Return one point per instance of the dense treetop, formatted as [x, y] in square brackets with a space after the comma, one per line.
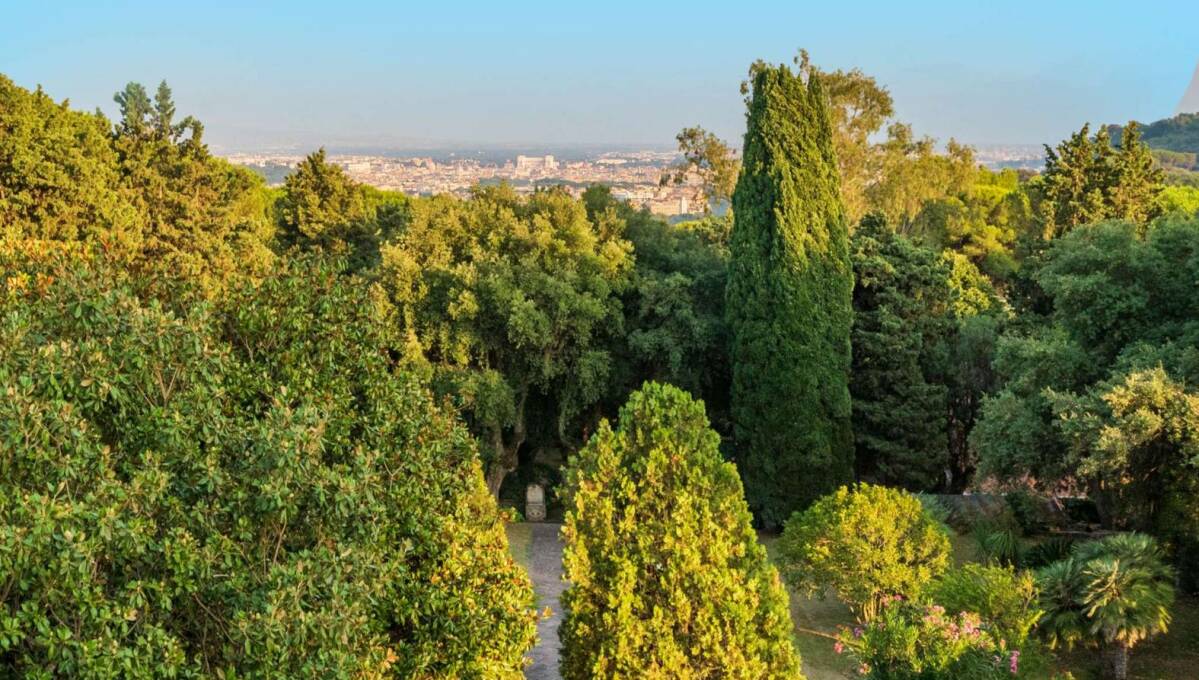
[789, 306]
[59, 173]
[246, 489]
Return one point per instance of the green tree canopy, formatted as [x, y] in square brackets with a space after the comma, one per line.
[1087, 180]
[981, 223]
[867, 544]
[674, 328]
[712, 160]
[204, 219]
[59, 177]
[508, 299]
[248, 491]
[319, 206]
[322, 210]
[1135, 440]
[1121, 302]
[910, 172]
[901, 326]
[858, 108]
[146, 190]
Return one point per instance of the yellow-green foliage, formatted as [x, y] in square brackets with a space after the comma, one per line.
[866, 543]
[667, 578]
[1180, 199]
[321, 209]
[1005, 598]
[147, 191]
[58, 173]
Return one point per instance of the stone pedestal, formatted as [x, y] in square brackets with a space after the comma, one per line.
[534, 503]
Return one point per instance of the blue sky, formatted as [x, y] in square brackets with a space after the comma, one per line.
[600, 72]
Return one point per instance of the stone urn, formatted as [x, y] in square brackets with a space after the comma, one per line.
[534, 503]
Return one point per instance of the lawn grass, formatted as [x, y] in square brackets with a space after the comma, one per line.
[520, 542]
[1173, 656]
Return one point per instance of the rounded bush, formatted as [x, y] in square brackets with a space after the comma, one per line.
[867, 544]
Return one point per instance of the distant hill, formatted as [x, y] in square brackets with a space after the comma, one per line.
[1180, 133]
[273, 173]
[1175, 146]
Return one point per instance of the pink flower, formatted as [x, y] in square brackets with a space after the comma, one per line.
[838, 647]
[1014, 661]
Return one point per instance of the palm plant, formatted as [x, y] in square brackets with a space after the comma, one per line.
[1047, 552]
[1109, 594]
[998, 543]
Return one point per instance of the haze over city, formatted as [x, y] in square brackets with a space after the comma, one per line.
[382, 75]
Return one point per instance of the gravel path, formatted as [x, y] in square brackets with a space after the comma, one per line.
[545, 568]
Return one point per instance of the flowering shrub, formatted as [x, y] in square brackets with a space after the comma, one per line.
[911, 641]
[1005, 597]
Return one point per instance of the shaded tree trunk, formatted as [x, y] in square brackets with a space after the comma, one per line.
[1104, 503]
[961, 416]
[505, 449]
[1115, 661]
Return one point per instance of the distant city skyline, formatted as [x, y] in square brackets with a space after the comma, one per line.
[536, 76]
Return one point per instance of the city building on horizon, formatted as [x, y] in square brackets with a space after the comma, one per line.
[634, 176]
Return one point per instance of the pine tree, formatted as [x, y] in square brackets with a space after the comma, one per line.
[321, 206]
[1138, 179]
[901, 328]
[135, 108]
[667, 577]
[789, 301]
[1087, 180]
[164, 111]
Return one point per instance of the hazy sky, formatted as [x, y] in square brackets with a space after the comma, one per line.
[600, 72]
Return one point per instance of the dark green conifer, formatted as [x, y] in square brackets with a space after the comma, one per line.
[901, 330]
[789, 304]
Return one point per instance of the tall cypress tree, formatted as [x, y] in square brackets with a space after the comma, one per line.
[789, 300]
